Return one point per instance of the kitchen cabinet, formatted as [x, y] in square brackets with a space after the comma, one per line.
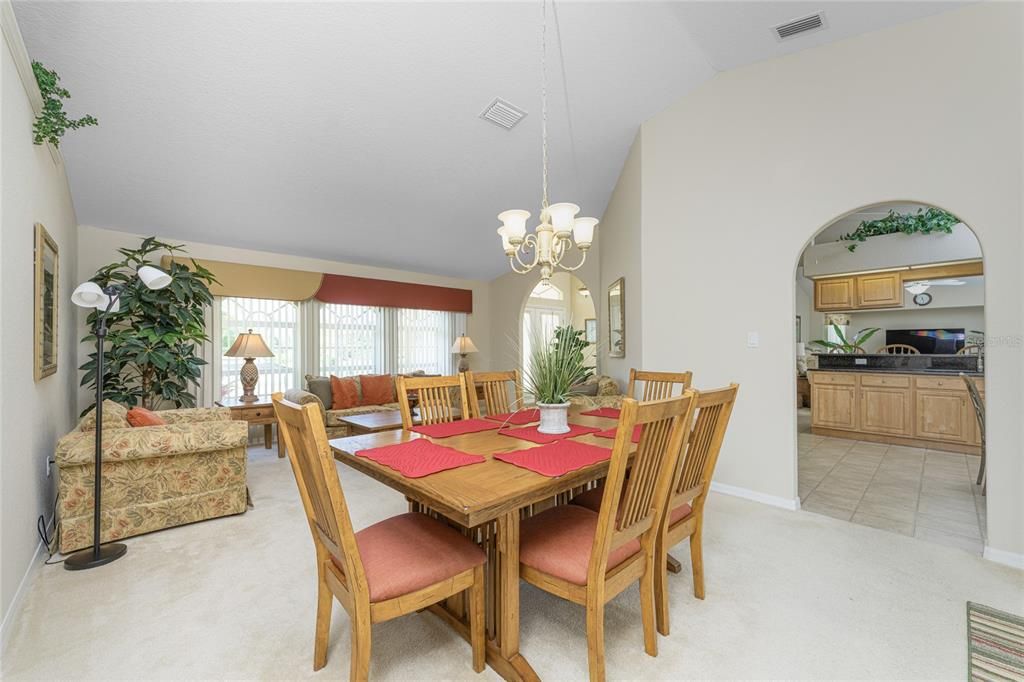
[835, 293]
[879, 290]
[885, 405]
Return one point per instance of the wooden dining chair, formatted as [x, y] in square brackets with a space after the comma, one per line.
[978, 403]
[397, 566]
[590, 557]
[690, 487]
[898, 349]
[440, 399]
[496, 388]
[658, 385]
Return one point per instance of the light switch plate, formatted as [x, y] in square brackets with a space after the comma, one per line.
[753, 339]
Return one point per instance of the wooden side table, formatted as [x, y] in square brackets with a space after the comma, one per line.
[259, 412]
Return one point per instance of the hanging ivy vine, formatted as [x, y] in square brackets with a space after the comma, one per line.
[53, 121]
[924, 221]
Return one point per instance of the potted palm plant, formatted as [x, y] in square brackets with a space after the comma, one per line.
[555, 370]
[854, 344]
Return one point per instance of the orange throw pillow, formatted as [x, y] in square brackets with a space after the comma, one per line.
[377, 388]
[344, 393]
[140, 416]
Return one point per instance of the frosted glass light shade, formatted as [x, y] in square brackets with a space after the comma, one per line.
[154, 278]
[505, 243]
[89, 295]
[583, 231]
[561, 216]
[514, 222]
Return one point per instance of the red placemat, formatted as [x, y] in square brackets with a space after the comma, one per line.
[556, 459]
[610, 412]
[456, 428]
[531, 433]
[520, 417]
[610, 433]
[420, 457]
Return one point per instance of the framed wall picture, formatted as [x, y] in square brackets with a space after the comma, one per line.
[46, 299]
[617, 319]
[590, 329]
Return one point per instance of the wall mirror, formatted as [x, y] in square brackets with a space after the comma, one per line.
[617, 319]
[45, 326]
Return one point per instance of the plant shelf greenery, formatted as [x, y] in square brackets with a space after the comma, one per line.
[152, 356]
[53, 121]
[923, 221]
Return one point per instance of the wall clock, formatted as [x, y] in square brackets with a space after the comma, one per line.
[922, 299]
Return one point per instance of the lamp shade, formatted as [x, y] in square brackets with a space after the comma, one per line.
[89, 295]
[514, 222]
[506, 245]
[464, 345]
[154, 278]
[583, 231]
[562, 217]
[249, 345]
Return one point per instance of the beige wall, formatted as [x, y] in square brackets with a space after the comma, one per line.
[789, 145]
[33, 415]
[97, 247]
[620, 257]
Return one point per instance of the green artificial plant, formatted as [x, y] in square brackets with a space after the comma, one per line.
[556, 367]
[574, 339]
[924, 221]
[151, 352]
[52, 122]
[854, 344]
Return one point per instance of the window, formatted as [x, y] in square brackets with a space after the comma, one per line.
[350, 340]
[424, 341]
[277, 322]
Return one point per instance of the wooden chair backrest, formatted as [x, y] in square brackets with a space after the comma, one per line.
[969, 350]
[305, 439]
[633, 508]
[658, 385]
[496, 391]
[898, 349]
[697, 464]
[436, 404]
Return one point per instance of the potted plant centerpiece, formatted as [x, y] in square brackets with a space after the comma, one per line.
[554, 373]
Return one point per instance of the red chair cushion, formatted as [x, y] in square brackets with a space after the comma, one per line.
[591, 499]
[559, 540]
[411, 551]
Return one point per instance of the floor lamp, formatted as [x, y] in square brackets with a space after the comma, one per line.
[106, 301]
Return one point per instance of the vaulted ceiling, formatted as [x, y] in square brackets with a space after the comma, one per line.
[351, 131]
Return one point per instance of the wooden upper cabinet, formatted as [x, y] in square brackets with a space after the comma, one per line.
[834, 294]
[880, 290]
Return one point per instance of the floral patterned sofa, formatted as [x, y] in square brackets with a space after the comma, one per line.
[602, 391]
[154, 477]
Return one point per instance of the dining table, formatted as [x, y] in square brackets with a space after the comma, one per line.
[486, 502]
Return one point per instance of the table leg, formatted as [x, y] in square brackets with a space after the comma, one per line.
[280, 444]
[268, 435]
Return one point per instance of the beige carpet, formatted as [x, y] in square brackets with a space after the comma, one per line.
[789, 595]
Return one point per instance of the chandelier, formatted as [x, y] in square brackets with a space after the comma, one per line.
[559, 228]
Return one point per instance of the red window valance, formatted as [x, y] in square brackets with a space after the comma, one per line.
[382, 292]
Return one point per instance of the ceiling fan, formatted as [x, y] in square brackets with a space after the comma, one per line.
[921, 286]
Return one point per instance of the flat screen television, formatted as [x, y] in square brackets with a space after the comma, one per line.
[930, 341]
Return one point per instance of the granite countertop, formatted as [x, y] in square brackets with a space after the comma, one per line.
[896, 370]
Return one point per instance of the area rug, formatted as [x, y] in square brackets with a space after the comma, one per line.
[995, 644]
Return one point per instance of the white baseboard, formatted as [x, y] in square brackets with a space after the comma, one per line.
[1000, 556]
[763, 498]
[11, 617]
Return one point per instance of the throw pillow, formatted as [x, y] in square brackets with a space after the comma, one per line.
[140, 416]
[587, 388]
[344, 393]
[114, 417]
[378, 389]
[320, 387]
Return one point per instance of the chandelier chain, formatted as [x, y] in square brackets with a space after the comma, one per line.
[544, 101]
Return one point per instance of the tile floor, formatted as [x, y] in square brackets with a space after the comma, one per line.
[925, 494]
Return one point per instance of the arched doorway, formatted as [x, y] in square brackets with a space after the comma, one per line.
[887, 433]
[564, 301]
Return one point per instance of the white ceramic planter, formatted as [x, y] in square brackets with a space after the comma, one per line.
[554, 419]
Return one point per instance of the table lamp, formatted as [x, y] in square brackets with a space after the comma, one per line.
[463, 346]
[249, 346]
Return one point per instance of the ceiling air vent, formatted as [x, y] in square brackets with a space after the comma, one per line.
[791, 29]
[501, 113]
